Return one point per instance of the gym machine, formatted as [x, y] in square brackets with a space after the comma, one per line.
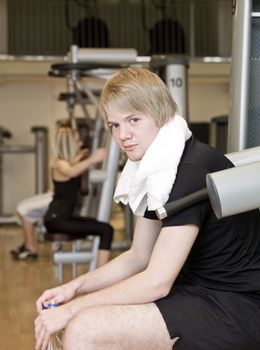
[84, 63]
[230, 191]
[39, 149]
[88, 62]
[244, 122]
[173, 71]
[106, 62]
[237, 189]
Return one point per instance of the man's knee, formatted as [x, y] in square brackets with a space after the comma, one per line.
[81, 330]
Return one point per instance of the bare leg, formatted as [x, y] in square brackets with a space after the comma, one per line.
[29, 234]
[102, 257]
[128, 327]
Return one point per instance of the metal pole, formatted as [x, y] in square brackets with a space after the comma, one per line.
[239, 87]
[1, 175]
[173, 71]
[41, 159]
[108, 187]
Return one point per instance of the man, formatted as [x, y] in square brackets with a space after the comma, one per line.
[188, 281]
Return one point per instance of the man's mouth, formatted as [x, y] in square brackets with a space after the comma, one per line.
[129, 147]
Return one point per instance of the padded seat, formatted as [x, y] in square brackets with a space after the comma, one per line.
[63, 237]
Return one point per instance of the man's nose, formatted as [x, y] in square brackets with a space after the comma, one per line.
[124, 133]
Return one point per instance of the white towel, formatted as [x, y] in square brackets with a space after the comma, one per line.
[147, 183]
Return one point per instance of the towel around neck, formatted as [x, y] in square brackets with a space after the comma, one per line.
[146, 184]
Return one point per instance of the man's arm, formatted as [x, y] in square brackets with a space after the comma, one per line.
[155, 281]
[135, 285]
[168, 256]
[125, 265]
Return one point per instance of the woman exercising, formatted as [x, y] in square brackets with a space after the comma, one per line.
[30, 211]
[69, 162]
[189, 281]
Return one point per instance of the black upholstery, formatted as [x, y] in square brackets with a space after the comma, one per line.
[91, 32]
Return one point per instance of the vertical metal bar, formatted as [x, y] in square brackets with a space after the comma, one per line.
[176, 80]
[106, 198]
[192, 31]
[1, 175]
[237, 126]
[41, 163]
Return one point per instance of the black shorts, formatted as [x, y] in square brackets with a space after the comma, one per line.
[206, 319]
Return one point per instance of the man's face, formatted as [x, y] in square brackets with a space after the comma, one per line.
[133, 133]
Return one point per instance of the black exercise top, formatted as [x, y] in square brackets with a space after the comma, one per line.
[215, 301]
[64, 199]
[226, 253]
[61, 218]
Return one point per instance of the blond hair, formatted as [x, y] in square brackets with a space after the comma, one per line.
[64, 144]
[135, 89]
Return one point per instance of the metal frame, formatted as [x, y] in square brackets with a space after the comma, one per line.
[237, 126]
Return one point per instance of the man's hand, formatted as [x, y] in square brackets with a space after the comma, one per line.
[48, 322]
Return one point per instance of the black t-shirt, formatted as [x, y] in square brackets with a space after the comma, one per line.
[64, 199]
[226, 253]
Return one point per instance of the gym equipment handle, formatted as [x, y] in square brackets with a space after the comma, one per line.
[182, 203]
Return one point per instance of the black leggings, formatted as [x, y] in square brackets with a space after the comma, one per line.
[80, 225]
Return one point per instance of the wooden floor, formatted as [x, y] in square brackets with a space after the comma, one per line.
[21, 282]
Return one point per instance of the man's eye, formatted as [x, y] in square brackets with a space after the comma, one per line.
[113, 126]
[134, 120]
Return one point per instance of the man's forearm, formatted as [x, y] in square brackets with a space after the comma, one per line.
[137, 289]
[118, 269]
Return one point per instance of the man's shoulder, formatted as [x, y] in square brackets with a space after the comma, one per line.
[204, 156]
